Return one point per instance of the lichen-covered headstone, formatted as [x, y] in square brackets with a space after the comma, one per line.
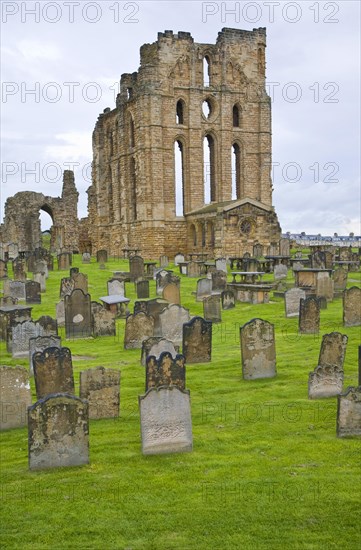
[78, 322]
[15, 397]
[40, 343]
[258, 350]
[204, 289]
[101, 388]
[327, 378]
[58, 432]
[171, 293]
[156, 346]
[32, 292]
[171, 322]
[197, 340]
[309, 317]
[212, 309]
[349, 413]
[138, 327]
[352, 307]
[292, 301]
[53, 371]
[227, 299]
[165, 371]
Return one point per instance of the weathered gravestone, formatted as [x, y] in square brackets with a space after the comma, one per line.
[66, 286]
[86, 258]
[142, 289]
[170, 323]
[280, 272]
[78, 322]
[15, 289]
[73, 271]
[328, 260]
[41, 266]
[165, 420]
[19, 335]
[30, 262]
[53, 372]
[204, 289]
[178, 258]
[257, 250]
[60, 313]
[32, 292]
[324, 286]
[171, 293]
[9, 316]
[352, 307]
[318, 260]
[165, 371]
[292, 301]
[163, 261]
[197, 340]
[221, 264]
[284, 247]
[80, 281]
[103, 321]
[227, 299]
[3, 269]
[162, 278]
[258, 350]
[212, 309]
[340, 278]
[116, 287]
[19, 272]
[219, 281]
[39, 344]
[156, 346]
[58, 432]
[40, 278]
[327, 378]
[138, 327]
[309, 317]
[273, 249]
[102, 256]
[349, 413]
[136, 267]
[8, 301]
[101, 388]
[15, 397]
[64, 261]
[194, 269]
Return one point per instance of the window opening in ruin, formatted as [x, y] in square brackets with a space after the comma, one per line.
[129, 93]
[131, 131]
[207, 108]
[236, 116]
[180, 112]
[46, 223]
[209, 169]
[179, 178]
[236, 171]
[133, 187]
[206, 71]
[193, 235]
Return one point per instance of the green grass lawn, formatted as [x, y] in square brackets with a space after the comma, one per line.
[267, 470]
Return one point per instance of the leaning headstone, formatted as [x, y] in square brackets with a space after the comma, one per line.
[324, 286]
[60, 313]
[171, 293]
[58, 432]
[178, 258]
[292, 301]
[116, 287]
[102, 256]
[41, 343]
[80, 281]
[77, 315]
[340, 278]
[212, 309]
[66, 286]
[204, 289]
[227, 299]
[197, 340]
[86, 258]
[32, 292]
[142, 289]
[171, 322]
[138, 327]
[219, 281]
[156, 346]
[349, 413]
[15, 397]
[136, 267]
[280, 272]
[101, 388]
[327, 378]
[309, 317]
[258, 350]
[53, 372]
[352, 307]
[165, 420]
[165, 371]
[103, 322]
[40, 278]
[221, 264]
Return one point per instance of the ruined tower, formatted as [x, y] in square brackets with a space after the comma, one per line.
[183, 161]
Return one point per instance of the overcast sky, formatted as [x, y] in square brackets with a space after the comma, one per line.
[61, 64]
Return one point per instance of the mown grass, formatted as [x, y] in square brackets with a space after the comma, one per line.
[267, 470]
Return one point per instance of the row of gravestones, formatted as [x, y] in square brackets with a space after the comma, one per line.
[308, 309]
